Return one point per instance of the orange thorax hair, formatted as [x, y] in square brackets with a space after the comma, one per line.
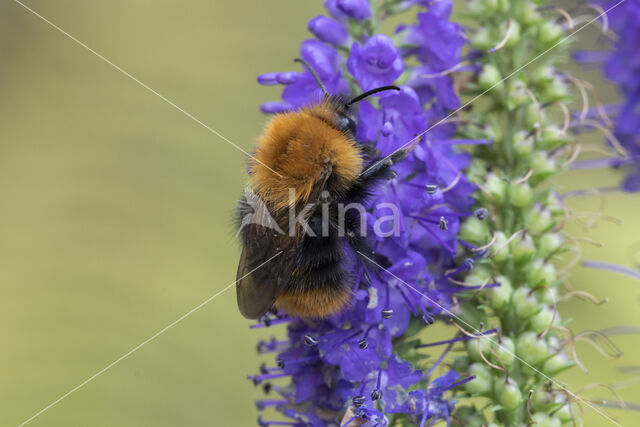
[302, 147]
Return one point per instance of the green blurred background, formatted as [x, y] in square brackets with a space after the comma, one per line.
[115, 208]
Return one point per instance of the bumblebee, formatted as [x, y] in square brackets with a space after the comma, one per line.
[306, 165]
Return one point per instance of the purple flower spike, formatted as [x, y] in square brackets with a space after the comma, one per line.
[328, 30]
[351, 359]
[355, 9]
[375, 64]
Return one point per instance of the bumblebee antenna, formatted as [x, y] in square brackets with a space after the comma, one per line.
[371, 92]
[315, 76]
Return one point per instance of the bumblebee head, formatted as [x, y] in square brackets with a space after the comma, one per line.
[302, 153]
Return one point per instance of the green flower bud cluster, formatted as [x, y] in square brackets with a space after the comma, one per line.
[520, 235]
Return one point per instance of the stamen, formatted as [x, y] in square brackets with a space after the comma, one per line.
[481, 213]
[358, 401]
[487, 141]
[603, 162]
[264, 423]
[500, 368]
[613, 353]
[608, 387]
[529, 407]
[488, 245]
[257, 379]
[610, 136]
[567, 116]
[387, 313]
[524, 178]
[458, 339]
[376, 394]
[605, 19]
[509, 240]
[566, 16]
[407, 301]
[583, 93]
[425, 415]
[602, 111]
[575, 152]
[570, 341]
[601, 265]
[310, 340]
[350, 420]
[445, 72]
[282, 362]
[271, 346]
[431, 188]
[435, 236]
[444, 224]
[266, 322]
[265, 403]
[505, 39]
[453, 183]
[369, 329]
[461, 382]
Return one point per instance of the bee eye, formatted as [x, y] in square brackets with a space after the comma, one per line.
[346, 124]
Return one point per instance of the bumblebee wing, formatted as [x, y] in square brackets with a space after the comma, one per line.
[265, 266]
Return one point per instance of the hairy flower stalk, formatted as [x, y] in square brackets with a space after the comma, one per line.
[527, 117]
[365, 366]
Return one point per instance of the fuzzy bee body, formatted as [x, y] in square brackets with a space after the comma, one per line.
[306, 163]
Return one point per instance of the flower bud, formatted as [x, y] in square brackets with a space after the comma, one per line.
[523, 249]
[524, 303]
[543, 166]
[474, 346]
[503, 353]
[517, 94]
[520, 195]
[557, 363]
[499, 251]
[483, 381]
[549, 243]
[556, 91]
[532, 349]
[540, 273]
[564, 414]
[537, 219]
[499, 296]
[479, 275]
[529, 14]
[483, 39]
[495, 186]
[541, 320]
[549, 33]
[523, 144]
[508, 394]
[554, 203]
[489, 77]
[541, 419]
[543, 76]
[532, 117]
[551, 138]
[328, 30]
[541, 399]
